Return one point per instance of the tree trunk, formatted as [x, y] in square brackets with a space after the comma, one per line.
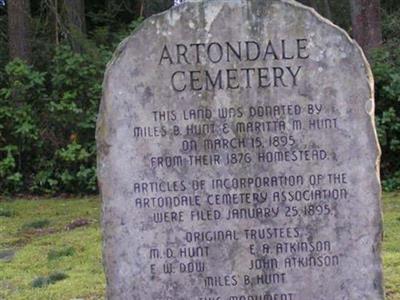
[151, 7]
[53, 20]
[76, 24]
[366, 23]
[310, 3]
[328, 11]
[19, 30]
[75, 10]
[56, 25]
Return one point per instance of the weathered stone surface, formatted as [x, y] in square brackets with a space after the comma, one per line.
[278, 199]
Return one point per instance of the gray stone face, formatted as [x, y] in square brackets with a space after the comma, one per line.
[238, 159]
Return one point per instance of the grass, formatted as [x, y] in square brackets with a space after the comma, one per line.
[56, 254]
[48, 261]
[51, 262]
[391, 245]
[41, 281]
[37, 224]
[8, 213]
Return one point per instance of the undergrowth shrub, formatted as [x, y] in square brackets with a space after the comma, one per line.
[386, 68]
[48, 115]
[387, 78]
[47, 124]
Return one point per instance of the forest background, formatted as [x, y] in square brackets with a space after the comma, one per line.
[53, 55]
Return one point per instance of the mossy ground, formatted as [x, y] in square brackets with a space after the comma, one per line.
[35, 247]
[78, 251]
[391, 245]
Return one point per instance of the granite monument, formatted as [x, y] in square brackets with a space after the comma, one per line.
[238, 158]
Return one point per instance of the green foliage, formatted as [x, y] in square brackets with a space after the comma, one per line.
[386, 68]
[11, 179]
[392, 183]
[48, 111]
[65, 251]
[19, 130]
[48, 123]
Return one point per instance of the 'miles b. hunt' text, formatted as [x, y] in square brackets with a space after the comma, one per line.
[278, 64]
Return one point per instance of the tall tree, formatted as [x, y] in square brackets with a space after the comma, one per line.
[310, 3]
[366, 23]
[53, 19]
[328, 11]
[74, 11]
[19, 29]
[151, 7]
